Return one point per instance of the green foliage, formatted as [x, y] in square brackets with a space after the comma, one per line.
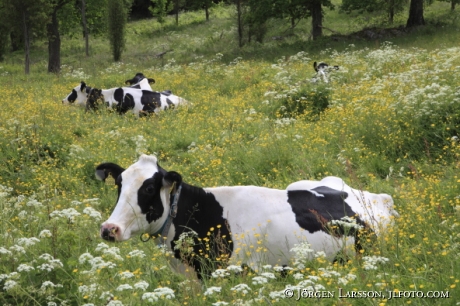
[309, 100]
[117, 19]
[160, 9]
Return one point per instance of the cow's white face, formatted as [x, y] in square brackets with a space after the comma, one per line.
[78, 95]
[140, 207]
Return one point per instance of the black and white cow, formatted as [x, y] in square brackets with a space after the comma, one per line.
[139, 77]
[243, 224]
[322, 70]
[138, 101]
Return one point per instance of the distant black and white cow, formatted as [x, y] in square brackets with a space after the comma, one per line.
[139, 77]
[243, 224]
[322, 70]
[138, 101]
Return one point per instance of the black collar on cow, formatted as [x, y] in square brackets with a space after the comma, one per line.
[174, 199]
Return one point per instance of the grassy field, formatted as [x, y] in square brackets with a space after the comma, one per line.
[388, 122]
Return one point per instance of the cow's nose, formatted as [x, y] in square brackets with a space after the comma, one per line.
[109, 232]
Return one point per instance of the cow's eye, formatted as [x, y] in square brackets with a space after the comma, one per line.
[150, 189]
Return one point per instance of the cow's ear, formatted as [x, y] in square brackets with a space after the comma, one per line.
[151, 81]
[172, 179]
[106, 169]
[82, 86]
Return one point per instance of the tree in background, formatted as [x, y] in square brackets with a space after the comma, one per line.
[54, 37]
[28, 17]
[453, 3]
[160, 9]
[117, 19]
[390, 7]
[415, 14]
[203, 4]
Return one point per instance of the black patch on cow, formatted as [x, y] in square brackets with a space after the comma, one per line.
[128, 103]
[73, 96]
[170, 104]
[150, 100]
[201, 212]
[118, 95]
[148, 197]
[313, 213]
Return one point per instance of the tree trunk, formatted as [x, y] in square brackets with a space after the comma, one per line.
[415, 14]
[206, 9]
[452, 4]
[26, 43]
[316, 19]
[54, 44]
[85, 26]
[176, 4]
[391, 11]
[240, 22]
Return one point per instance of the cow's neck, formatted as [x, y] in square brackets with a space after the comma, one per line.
[199, 211]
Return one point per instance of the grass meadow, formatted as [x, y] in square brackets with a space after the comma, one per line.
[388, 122]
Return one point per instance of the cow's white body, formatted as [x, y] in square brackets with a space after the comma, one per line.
[263, 222]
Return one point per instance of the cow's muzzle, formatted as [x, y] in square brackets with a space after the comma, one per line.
[109, 232]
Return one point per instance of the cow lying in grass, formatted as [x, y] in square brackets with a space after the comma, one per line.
[138, 98]
[322, 69]
[123, 99]
[241, 224]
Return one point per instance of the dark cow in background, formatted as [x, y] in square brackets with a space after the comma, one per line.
[139, 77]
[239, 220]
[322, 70]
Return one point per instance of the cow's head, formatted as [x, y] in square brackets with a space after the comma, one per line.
[137, 78]
[142, 84]
[78, 95]
[143, 198]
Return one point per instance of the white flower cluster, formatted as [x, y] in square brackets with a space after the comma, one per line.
[137, 253]
[347, 223]
[95, 262]
[68, 213]
[302, 252]
[92, 213]
[370, 262]
[212, 290]
[157, 294]
[243, 288]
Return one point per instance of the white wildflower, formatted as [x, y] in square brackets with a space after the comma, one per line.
[234, 268]
[126, 274]
[212, 290]
[137, 253]
[45, 234]
[27, 241]
[25, 268]
[92, 213]
[220, 273]
[143, 285]
[243, 288]
[9, 284]
[124, 287]
[259, 280]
